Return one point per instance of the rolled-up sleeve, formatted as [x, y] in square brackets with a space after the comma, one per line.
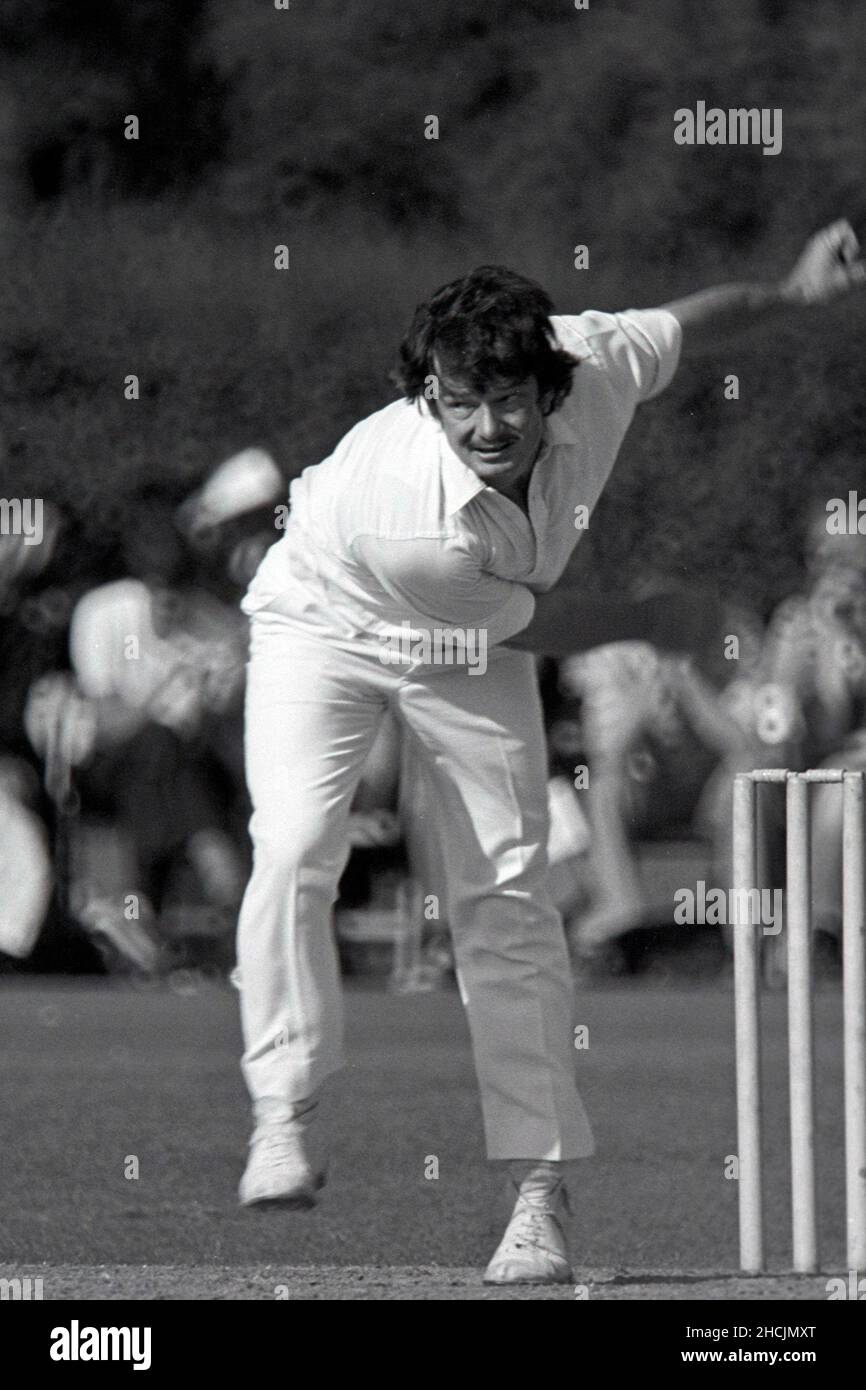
[637, 349]
[423, 582]
[648, 349]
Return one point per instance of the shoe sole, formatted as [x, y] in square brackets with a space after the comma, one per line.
[298, 1201]
[567, 1278]
[302, 1200]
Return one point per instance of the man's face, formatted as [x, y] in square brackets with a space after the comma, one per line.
[496, 432]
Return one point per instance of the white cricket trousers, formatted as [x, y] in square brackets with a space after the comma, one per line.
[312, 710]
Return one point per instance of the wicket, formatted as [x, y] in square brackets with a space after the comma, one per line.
[747, 976]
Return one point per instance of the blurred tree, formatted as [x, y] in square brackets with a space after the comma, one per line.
[307, 126]
[72, 73]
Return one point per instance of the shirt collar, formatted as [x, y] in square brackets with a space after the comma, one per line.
[459, 483]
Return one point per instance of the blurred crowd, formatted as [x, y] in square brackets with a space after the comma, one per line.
[122, 742]
[123, 808]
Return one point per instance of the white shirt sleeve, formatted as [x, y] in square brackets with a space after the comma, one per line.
[445, 589]
[639, 349]
[654, 339]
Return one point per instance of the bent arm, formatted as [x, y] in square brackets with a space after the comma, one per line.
[827, 268]
[713, 317]
[568, 620]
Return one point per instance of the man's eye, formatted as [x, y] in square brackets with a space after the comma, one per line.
[459, 407]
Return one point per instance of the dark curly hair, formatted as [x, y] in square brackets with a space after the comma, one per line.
[491, 325]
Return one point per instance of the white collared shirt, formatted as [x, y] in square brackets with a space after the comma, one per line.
[394, 531]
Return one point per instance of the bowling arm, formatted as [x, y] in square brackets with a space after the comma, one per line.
[827, 268]
[568, 620]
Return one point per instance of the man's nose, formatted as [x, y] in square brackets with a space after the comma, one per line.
[486, 423]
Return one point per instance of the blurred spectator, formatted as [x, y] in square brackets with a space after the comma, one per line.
[25, 865]
[822, 658]
[34, 619]
[803, 705]
[153, 662]
[232, 519]
[652, 727]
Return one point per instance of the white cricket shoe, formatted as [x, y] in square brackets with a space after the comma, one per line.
[534, 1248]
[280, 1171]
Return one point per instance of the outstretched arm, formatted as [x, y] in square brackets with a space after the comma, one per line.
[570, 620]
[827, 268]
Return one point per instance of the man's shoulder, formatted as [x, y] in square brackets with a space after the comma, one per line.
[378, 477]
[399, 420]
[637, 349]
[593, 329]
[583, 333]
[376, 449]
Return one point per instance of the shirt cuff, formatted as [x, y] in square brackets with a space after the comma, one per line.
[661, 330]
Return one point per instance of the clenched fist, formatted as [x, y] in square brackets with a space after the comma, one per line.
[828, 267]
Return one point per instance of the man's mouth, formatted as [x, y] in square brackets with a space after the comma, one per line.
[488, 451]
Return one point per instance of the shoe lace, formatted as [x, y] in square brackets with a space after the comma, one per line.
[277, 1142]
[530, 1223]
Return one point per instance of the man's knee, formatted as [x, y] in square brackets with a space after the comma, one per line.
[295, 847]
[516, 924]
[519, 871]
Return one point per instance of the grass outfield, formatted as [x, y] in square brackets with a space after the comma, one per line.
[98, 1074]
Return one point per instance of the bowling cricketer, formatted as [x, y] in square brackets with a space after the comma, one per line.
[418, 574]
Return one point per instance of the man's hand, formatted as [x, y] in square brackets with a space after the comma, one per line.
[828, 267]
[568, 621]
